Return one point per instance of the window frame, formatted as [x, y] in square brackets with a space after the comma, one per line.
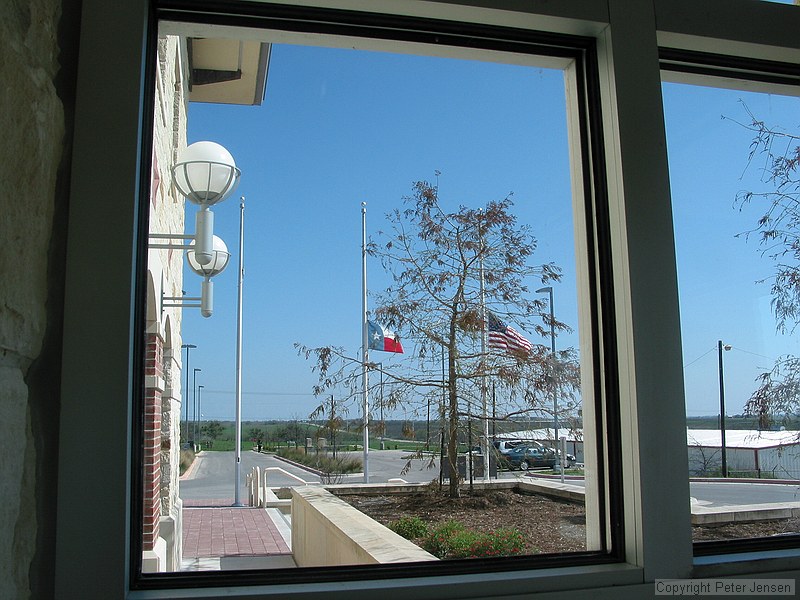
[93, 499]
[754, 75]
[577, 55]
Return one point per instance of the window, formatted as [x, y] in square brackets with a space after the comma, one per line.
[642, 301]
[737, 341]
[343, 116]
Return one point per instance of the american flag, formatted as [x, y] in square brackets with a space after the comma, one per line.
[504, 337]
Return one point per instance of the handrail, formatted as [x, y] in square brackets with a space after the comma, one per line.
[257, 483]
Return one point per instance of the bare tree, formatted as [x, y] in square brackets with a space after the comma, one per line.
[437, 259]
[778, 235]
[778, 229]
[333, 421]
[778, 392]
[704, 461]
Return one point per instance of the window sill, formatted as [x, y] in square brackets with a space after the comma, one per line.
[488, 585]
[746, 562]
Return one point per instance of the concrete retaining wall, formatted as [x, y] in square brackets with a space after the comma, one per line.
[326, 531]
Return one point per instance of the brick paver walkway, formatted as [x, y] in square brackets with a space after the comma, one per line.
[216, 529]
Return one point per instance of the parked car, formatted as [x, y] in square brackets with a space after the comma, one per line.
[571, 460]
[527, 457]
[505, 446]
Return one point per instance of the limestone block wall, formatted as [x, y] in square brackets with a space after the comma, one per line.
[170, 429]
[169, 138]
[32, 120]
[171, 524]
[165, 268]
[169, 216]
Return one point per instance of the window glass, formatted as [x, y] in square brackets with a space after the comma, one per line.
[458, 172]
[733, 174]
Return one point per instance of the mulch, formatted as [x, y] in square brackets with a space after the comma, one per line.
[549, 525]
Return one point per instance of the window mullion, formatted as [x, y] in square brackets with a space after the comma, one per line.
[651, 394]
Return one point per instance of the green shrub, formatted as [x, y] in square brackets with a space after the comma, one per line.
[460, 543]
[502, 542]
[409, 527]
[186, 460]
[322, 462]
[438, 542]
[453, 540]
[294, 454]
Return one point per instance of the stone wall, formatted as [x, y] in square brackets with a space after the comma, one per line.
[166, 278]
[32, 120]
[38, 61]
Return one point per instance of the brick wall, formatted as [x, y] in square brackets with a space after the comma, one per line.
[154, 369]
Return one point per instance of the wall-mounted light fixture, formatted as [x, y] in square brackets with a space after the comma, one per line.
[205, 174]
[205, 302]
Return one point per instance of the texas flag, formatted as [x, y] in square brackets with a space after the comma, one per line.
[381, 338]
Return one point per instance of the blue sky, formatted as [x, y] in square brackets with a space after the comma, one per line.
[339, 127]
[718, 270]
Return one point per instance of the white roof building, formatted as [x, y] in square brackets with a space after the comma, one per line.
[741, 438]
[749, 452]
[546, 433]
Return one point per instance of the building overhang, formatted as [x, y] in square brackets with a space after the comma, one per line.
[227, 71]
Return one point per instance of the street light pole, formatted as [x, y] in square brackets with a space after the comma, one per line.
[494, 414]
[186, 390]
[194, 405]
[238, 435]
[556, 442]
[720, 348]
[428, 426]
[484, 405]
[364, 341]
[199, 411]
[383, 423]
[442, 404]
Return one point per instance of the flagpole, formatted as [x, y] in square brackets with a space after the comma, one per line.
[364, 338]
[237, 500]
[484, 403]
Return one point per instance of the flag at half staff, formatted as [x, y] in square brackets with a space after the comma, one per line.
[504, 337]
[382, 339]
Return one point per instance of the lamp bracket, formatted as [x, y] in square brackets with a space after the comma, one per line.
[169, 245]
[179, 302]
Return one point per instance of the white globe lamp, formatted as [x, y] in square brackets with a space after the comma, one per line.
[219, 260]
[205, 174]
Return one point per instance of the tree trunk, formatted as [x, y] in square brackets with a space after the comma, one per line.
[452, 442]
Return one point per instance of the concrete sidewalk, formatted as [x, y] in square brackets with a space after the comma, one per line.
[219, 536]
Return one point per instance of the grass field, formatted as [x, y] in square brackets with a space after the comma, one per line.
[281, 434]
[277, 434]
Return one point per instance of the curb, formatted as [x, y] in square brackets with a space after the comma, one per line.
[190, 471]
[555, 476]
[745, 480]
[311, 470]
[692, 479]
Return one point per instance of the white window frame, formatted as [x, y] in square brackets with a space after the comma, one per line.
[93, 495]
